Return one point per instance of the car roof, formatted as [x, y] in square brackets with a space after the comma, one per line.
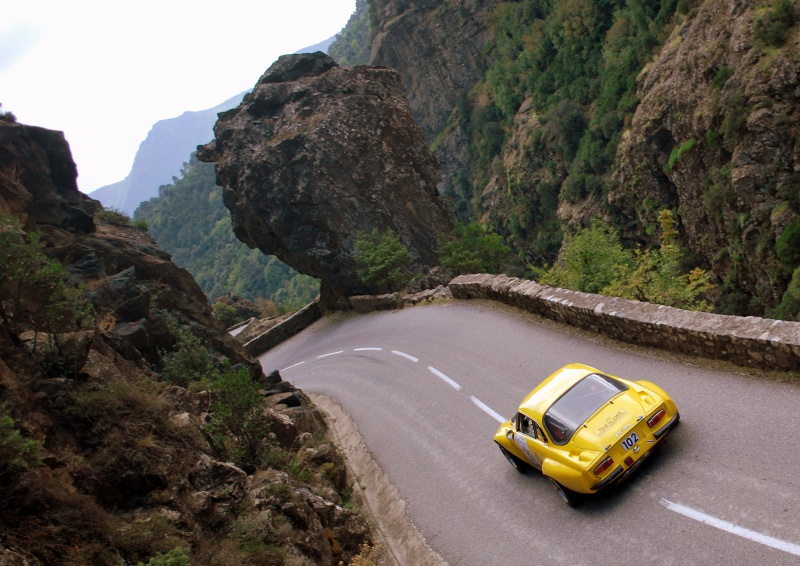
[549, 390]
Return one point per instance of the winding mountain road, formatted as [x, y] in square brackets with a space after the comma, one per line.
[426, 387]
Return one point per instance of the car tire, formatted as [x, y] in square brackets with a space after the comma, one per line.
[517, 463]
[567, 495]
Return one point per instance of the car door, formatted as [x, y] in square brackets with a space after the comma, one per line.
[531, 440]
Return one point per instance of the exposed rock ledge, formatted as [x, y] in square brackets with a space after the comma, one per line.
[745, 341]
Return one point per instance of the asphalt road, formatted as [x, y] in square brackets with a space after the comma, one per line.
[427, 385]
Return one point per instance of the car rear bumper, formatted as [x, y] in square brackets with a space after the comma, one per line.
[619, 474]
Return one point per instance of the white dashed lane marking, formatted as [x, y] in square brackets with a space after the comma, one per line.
[406, 356]
[487, 409]
[731, 528]
[444, 378]
[328, 355]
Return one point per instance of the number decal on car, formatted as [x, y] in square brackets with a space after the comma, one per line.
[630, 441]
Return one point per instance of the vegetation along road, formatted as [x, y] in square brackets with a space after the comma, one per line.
[427, 387]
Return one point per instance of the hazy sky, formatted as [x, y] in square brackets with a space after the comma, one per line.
[104, 71]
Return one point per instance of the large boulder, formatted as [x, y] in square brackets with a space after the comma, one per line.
[319, 153]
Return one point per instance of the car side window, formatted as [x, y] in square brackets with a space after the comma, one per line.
[539, 432]
[528, 426]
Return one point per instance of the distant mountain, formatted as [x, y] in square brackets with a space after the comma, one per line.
[161, 155]
[168, 145]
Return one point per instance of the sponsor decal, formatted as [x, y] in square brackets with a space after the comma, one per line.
[610, 421]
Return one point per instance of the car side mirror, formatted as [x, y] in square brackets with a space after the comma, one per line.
[510, 435]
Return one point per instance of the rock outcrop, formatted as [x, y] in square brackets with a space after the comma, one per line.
[318, 154]
[38, 180]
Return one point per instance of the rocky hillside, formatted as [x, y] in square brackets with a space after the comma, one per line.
[133, 429]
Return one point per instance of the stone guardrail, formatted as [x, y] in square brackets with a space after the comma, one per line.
[300, 320]
[745, 341]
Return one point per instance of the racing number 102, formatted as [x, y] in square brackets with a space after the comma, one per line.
[629, 442]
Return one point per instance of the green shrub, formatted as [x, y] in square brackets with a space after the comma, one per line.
[113, 216]
[17, 453]
[789, 308]
[595, 262]
[175, 557]
[658, 277]
[677, 152]
[6, 116]
[226, 313]
[238, 422]
[773, 27]
[787, 248]
[592, 260]
[383, 261]
[474, 250]
[141, 224]
[190, 362]
[721, 77]
[35, 289]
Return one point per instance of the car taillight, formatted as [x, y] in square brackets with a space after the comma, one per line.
[604, 465]
[655, 419]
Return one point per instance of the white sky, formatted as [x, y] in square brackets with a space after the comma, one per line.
[104, 71]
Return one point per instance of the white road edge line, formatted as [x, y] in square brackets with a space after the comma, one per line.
[446, 379]
[294, 366]
[731, 528]
[488, 410]
[331, 354]
[367, 349]
[406, 356]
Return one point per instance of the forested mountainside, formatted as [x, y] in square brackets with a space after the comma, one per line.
[190, 222]
[548, 114]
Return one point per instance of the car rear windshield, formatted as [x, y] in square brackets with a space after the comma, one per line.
[564, 416]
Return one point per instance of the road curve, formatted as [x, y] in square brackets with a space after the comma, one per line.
[427, 385]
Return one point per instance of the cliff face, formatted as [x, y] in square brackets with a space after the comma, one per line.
[102, 461]
[319, 154]
[715, 137]
[708, 128]
[437, 47]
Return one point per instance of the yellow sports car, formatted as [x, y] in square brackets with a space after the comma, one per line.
[586, 430]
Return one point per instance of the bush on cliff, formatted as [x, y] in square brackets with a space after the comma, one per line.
[474, 250]
[789, 309]
[595, 262]
[383, 261]
[238, 422]
[591, 261]
[35, 289]
[6, 116]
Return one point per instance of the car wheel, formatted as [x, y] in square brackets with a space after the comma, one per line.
[518, 464]
[567, 495]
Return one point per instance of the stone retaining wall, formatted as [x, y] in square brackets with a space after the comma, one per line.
[300, 320]
[746, 341]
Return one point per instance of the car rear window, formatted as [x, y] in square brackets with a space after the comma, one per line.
[572, 409]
